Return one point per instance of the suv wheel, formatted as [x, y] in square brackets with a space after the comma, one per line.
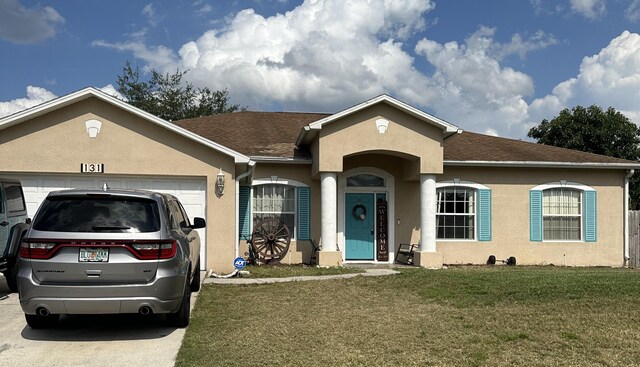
[195, 283]
[181, 317]
[41, 322]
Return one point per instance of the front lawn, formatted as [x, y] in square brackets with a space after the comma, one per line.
[461, 316]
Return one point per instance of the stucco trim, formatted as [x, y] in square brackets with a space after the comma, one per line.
[88, 92]
[570, 185]
[541, 164]
[308, 131]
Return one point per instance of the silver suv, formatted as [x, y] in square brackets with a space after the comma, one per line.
[109, 252]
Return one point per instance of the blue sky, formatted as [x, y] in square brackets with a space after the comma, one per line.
[493, 66]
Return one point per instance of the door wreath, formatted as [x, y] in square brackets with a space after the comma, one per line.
[359, 212]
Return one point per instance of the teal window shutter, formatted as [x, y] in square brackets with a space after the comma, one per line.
[590, 217]
[535, 215]
[484, 215]
[244, 214]
[303, 208]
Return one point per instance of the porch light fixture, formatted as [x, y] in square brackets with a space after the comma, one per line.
[220, 183]
[382, 125]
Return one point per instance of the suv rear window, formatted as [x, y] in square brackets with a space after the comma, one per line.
[82, 214]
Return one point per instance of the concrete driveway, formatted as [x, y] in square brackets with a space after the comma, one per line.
[105, 340]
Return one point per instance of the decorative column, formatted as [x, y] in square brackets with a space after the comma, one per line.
[427, 256]
[328, 255]
[428, 213]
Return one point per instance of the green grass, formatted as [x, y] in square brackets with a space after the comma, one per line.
[284, 271]
[461, 316]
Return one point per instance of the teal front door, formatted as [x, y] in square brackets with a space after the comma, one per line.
[359, 226]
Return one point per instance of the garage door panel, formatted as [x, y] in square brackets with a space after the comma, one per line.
[53, 185]
[82, 184]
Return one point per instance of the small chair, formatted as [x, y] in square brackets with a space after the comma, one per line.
[313, 258]
[405, 252]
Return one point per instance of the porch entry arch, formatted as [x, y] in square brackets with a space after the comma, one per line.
[358, 191]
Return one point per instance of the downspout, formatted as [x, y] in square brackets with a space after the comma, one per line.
[626, 216]
[250, 170]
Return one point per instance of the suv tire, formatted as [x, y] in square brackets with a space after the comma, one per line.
[195, 283]
[180, 318]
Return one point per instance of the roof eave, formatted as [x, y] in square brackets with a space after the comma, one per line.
[88, 92]
[287, 160]
[541, 164]
[447, 127]
[308, 132]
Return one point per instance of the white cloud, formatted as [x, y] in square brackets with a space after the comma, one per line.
[111, 90]
[588, 8]
[473, 89]
[633, 11]
[609, 78]
[39, 95]
[310, 57]
[19, 24]
[202, 8]
[149, 11]
[35, 96]
[157, 57]
[326, 55]
[550, 7]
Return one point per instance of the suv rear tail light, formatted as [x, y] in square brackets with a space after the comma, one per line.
[155, 251]
[37, 250]
[142, 250]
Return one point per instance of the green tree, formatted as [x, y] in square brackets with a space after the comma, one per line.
[596, 131]
[166, 96]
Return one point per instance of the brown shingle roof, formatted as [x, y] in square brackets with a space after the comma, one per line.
[469, 146]
[268, 134]
[274, 134]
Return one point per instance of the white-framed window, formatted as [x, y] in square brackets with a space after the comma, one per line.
[456, 213]
[563, 211]
[274, 201]
[562, 214]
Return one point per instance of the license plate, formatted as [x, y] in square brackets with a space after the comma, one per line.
[96, 254]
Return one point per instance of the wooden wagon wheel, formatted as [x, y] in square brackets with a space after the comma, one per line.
[270, 239]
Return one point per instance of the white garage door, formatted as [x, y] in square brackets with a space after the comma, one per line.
[191, 192]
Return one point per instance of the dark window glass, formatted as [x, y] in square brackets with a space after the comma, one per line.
[365, 181]
[15, 200]
[81, 214]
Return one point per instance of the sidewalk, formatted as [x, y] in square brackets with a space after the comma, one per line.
[245, 281]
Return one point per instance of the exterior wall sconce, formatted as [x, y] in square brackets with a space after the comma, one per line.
[93, 127]
[382, 125]
[220, 183]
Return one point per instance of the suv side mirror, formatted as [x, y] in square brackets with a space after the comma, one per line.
[198, 223]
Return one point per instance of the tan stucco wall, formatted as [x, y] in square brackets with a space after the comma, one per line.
[127, 145]
[510, 218]
[406, 136]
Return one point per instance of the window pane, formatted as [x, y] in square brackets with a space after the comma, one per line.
[275, 201]
[365, 180]
[456, 213]
[561, 208]
[14, 198]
